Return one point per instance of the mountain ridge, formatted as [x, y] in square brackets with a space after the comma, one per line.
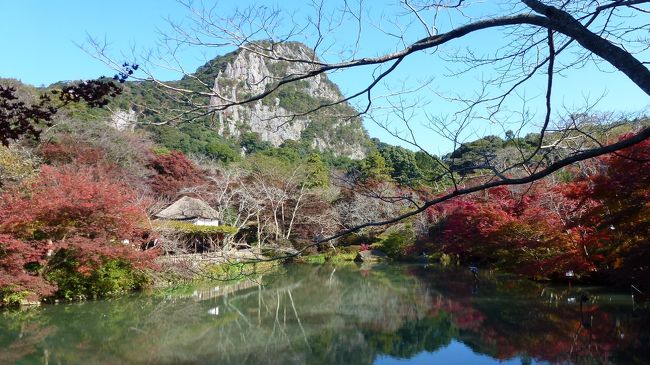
[291, 113]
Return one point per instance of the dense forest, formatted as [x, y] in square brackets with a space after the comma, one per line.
[78, 202]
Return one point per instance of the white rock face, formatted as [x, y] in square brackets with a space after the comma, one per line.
[250, 73]
[123, 120]
[274, 124]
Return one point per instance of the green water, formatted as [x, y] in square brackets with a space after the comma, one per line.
[314, 314]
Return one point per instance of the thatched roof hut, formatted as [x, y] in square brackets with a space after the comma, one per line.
[187, 208]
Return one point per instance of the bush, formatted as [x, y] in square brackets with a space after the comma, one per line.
[221, 151]
[315, 259]
[15, 166]
[11, 297]
[340, 257]
[18, 261]
[396, 243]
[111, 278]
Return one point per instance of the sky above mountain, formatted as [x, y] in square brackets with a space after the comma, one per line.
[43, 40]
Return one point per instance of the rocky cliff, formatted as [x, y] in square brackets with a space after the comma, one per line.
[288, 113]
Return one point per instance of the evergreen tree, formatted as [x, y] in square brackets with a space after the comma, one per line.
[317, 173]
[402, 163]
[374, 167]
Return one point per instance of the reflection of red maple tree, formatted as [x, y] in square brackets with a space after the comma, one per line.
[559, 334]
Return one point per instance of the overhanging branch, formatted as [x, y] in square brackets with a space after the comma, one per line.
[595, 152]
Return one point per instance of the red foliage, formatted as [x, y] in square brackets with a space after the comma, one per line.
[14, 256]
[523, 231]
[78, 209]
[68, 201]
[594, 223]
[72, 151]
[615, 226]
[626, 175]
[172, 172]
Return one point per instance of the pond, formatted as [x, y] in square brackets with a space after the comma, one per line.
[319, 314]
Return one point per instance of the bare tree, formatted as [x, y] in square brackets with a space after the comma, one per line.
[534, 40]
[269, 198]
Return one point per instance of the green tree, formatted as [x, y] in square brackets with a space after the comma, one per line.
[252, 142]
[404, 168]
[374, 167]
[434, 171]
[317, 173]
[221, 151]
[474, 155]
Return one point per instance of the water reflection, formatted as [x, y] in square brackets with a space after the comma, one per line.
[345, 315]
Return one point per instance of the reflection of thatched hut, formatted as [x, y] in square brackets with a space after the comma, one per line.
[190, 210]
[191, 225]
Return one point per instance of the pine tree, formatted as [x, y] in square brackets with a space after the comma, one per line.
[317, 173]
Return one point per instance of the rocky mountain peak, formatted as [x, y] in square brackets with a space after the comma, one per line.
[286, 113]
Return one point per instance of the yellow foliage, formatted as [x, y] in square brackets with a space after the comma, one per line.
[14, 166]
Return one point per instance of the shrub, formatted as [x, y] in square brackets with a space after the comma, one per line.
[340, 257]
[396, 243]
[105, 279]
[15, 166]
[315, 259]
[221, 151]
[18, 263]
[71, 150]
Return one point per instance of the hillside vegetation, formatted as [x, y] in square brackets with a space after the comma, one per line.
[76, 206]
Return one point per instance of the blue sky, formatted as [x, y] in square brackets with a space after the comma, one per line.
[39, 47]
[456, 353]
[40, 36]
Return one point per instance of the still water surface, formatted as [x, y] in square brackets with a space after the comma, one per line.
[304, 314]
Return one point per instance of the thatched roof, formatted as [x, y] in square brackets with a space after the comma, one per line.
[188, 208]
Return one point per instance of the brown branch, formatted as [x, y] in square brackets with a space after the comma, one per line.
[595, 152]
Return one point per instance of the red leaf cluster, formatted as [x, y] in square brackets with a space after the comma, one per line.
[600, 222]
[616, 224]
[14, 256]
[173, 172]
[72, 151]
[519, 230]
[82, 210]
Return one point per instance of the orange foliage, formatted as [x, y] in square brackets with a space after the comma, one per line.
[172, 172]
[82, 210]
